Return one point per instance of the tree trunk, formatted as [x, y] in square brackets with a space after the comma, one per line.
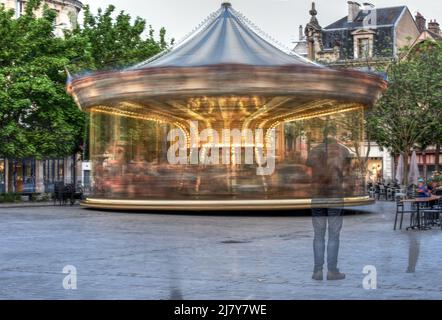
[437, 158]
[74, 170]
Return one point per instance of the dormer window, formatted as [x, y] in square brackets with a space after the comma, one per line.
[363, 47]
[363, 40]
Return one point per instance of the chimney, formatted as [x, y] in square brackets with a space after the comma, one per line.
[421, 22]
[434, 27]
[368, 6]
[301, 33]
[353, 10]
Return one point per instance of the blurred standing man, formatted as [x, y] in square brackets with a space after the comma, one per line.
[329, 162]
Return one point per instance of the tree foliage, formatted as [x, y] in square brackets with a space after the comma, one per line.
[117, 41]
[410, 111]
[37, 117]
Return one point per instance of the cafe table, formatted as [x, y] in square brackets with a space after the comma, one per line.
[418, 202]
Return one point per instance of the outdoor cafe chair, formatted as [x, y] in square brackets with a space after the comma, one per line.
[59, 193]
[382, 192]
[390, 194]
[423, 216]
[400, 210]
[432, 214]
[372, 192]
[401, 193]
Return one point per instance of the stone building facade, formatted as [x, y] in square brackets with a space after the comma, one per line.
[367, 36]
[67, 11]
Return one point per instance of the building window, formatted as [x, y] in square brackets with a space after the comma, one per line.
[28, 175]
[363, 47]
[375, 170]
[428, 172]
[60, 174]
[21, 176]
[57, 22]
[48, 175]
[19, 8]
[53, 172]
[87, 178]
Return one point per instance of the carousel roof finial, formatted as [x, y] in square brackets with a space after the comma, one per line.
[226, 4]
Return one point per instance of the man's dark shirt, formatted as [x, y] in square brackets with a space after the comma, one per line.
[329, 162]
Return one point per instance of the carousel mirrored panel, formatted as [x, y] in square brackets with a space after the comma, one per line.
[227, 149]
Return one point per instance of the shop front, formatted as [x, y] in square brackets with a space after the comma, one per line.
[375, 170]
[2, 175]
[53, 172]
[27, 176]
[21, 176]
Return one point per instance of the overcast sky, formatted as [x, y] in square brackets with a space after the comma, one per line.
[278, 18]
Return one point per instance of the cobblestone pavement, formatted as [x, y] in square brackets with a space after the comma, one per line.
[160, 256]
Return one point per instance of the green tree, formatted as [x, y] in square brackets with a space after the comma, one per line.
[118, 41]
[37, 117]
[410, 110]
[433, 138]
[431, 53]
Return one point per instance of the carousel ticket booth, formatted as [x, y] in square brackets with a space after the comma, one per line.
[223, 121]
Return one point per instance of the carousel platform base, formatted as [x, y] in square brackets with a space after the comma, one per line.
[223, 205]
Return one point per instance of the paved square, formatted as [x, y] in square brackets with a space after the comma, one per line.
[161, 256]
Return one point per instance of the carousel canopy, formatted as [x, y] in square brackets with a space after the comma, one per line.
[226, 38]
[226, 56]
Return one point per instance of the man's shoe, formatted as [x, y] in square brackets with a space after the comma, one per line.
[318, 276]
[335, 275]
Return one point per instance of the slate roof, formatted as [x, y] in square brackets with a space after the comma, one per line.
[384, 16]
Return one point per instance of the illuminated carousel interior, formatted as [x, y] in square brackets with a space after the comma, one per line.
[225, 79]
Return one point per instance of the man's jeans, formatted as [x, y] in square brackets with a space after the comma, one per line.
[335, 219]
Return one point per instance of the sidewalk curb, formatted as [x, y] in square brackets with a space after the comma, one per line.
[42, 205]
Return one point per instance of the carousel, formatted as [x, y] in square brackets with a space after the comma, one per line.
[226, 120]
